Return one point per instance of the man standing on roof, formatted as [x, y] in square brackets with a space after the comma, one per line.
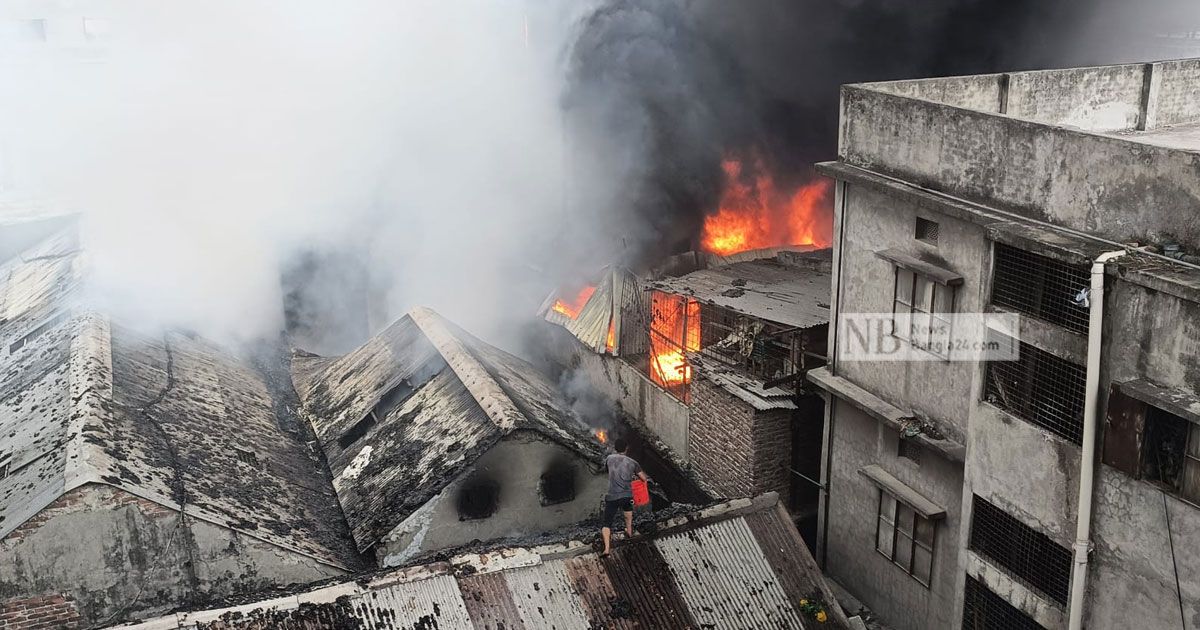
[622, 470]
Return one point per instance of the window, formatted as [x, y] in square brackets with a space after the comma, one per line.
[927, 231]
[1028, 554]
[246, 457]
[478, 499]
[557, 484]
[1148, 442]
[985, 610]
[1038, 387]
[1048, 289]
[920, 312]
[905, 537]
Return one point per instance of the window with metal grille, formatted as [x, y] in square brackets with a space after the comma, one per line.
[905, 537]
[985, 610]
[1172, 454]
[1025, 552]
[920, 312]
[1048, 289]
[927, 231]
[1038, 387]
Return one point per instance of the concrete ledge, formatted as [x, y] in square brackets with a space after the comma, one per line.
[884, 412]
[901, 491]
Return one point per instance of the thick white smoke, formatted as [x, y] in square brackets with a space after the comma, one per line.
[208, 141]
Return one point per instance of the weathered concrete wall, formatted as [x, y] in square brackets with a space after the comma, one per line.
[639, 398]
[1134, 191]
[739, 451]
[939, 390]
[1104, 98]
[899, 600]
[1176, 99]
[115, 554]
[982, 92]
[1156, 337]
[516, 466]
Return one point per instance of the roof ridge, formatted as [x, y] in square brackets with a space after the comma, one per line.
[90, 381]
[479, 382]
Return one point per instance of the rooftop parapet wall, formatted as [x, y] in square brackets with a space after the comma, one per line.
[1112, 186]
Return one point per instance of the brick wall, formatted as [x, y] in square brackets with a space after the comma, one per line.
[50, 611]
[737, 450]
[83, 499]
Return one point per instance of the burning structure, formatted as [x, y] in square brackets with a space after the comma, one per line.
[710, 361]
[1058, 490]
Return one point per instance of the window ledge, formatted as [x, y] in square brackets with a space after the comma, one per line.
[883, 411]
[1178, 402]
[918, 266]
[906, 495]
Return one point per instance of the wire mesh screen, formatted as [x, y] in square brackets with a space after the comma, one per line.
[765, 350]
[634, 340]
[1029, 554]
[1038, 387]
[985, 610]
[1043, 287]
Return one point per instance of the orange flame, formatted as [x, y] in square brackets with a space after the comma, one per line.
[571, 309]
[611, 343]
[754, 214]
[601, 435]
[675, 328]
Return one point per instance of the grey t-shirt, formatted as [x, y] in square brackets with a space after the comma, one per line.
[621, 472]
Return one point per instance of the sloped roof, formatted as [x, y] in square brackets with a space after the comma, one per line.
[85, 401]
[739, 564]
[406, 413]
[792, 289]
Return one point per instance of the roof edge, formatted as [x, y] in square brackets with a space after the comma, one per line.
[483, 388]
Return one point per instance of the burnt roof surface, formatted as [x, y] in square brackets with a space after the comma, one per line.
[739, 564]
[792, 289]
[169, 418]
[410, 410]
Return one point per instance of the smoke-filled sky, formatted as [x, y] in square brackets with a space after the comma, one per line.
[470, 154]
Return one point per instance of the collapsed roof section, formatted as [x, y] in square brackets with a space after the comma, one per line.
[739, 564]
[593, 313]
[411, 410]
[168, 418]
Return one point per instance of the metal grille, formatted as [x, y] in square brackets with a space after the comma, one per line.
[1038, 387]
[774, 353]
[1045, 288]
[1029, 554]
[985, 610]
[927, 231]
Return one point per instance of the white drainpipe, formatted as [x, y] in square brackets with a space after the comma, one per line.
[1087, 468]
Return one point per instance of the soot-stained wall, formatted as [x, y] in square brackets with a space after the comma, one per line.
[111, 555]
[514, 468]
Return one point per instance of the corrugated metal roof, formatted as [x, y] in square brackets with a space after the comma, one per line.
[792, 294]
[742, 385]
[703, 569]
[546, 597]
[616, 289]
[725, 578]
[439, 398]
[430, 603]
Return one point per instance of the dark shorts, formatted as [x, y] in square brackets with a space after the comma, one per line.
[611, 507]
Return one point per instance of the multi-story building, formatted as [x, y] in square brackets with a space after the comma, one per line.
[953, 488]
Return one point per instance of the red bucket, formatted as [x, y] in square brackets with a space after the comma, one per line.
[641, 493]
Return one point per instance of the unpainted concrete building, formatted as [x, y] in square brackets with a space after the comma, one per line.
[953, 485]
